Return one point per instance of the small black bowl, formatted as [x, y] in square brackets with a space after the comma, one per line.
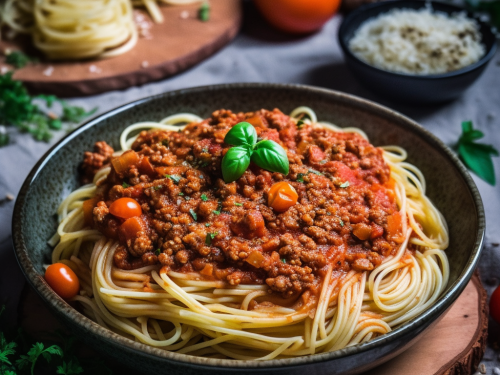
[408, 87]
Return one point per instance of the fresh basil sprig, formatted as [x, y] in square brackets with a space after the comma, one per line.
[266, 154]
[477, 156]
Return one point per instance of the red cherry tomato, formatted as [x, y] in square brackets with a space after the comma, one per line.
[125, 208]
[282, 196]
[495, 305]
[63, 280]
[297, 16]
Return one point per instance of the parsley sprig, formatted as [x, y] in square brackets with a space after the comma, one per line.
[18, 108]
[477, 156]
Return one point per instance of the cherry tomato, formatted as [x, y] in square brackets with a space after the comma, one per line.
[63, 280]
[125, 208]
[495, 305]
[297, 16]
[282, 196]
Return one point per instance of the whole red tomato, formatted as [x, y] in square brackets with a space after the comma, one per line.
[495, 305]
[297, 16]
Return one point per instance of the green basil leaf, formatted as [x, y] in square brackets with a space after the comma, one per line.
[269, 155]
[242, 134]
[478, 160]
[466, 126]
[471, 136]
[235, 163]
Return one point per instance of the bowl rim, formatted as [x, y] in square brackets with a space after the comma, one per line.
[59, 306]
[394, 4]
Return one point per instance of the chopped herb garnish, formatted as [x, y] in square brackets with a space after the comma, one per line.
[477, 156]
[181, 194]
[217, 212]
[158, 187]
[193, 214]
[19, 59]
[125, 185]
[300, 124]
[174, 178]
[210, 237]
[204, 198]
[204, 164]
[18, 108]
[345, 184]
[300, 177]
[204, 11]
[165, 142]
[201, 176]
[207, 224]
[238, 204]
[283, 260]
[341, 222]
[315, 172]
[323, 161]
[204, 150]
[158, 252]
[187, 197]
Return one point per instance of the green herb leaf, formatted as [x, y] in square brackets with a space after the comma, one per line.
[174, 178]
[217, 212]
[181, 193]
[19, 59]
[238, 204]
[6, 349]
[341, 222]
[283, 260]
[158, 252]
[241, 134]
[204, 197]
[4, 139]
[70, 368]
[204, 11]
[125, 185]
[207, 224]
[75, 114]
[158, 187]
[345, 184]
[270, 155]
[193, 214]
[300, 177]
[477, 156]
[300, 124]
[315, 172]
[165, 142]
[235, 163]
[209, 237]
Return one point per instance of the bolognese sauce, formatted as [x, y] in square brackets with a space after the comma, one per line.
[186, 218]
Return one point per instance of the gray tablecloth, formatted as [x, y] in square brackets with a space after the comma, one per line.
[260, 54]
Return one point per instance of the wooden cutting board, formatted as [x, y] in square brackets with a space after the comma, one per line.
[454, 346]
[180, 42]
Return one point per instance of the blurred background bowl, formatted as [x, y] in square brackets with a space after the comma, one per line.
[403, 87]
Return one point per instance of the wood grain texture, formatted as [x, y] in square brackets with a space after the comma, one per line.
[175, 45]
[454, 346]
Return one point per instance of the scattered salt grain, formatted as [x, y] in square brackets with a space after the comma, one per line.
[145, 64]
[482, 368]
[48, 72]
[9, 197]
[94, 69]
[4, 70]
[496, 371]
[184, 14]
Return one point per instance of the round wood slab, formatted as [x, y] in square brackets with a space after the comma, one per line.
[454, 346]
[180, 42]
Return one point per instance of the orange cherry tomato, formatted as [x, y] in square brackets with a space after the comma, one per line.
[63, 280]
[282, 196]
[495, 305]
[297, 16]
[125, 208]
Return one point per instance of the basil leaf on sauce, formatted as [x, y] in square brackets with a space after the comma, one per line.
[269, 155]
[242, 134]
[235, 163]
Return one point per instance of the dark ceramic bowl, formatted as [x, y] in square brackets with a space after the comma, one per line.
[410, 88]
[449, 186]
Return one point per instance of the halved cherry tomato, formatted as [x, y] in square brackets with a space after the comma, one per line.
[297, 16]
[125, 208]
[63, 280]
[282, 196]
[495, 305]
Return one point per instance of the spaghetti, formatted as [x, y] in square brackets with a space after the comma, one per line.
[186, 312]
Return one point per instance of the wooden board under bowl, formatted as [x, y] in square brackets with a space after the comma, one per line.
[175, 45]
